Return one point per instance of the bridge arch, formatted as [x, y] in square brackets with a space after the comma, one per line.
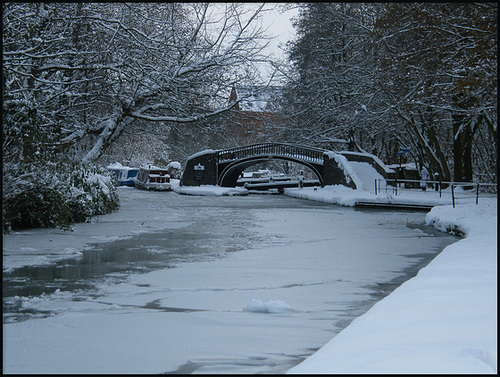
[223, 167]
[231, 171]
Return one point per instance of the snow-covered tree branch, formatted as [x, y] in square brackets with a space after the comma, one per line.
[158, 62]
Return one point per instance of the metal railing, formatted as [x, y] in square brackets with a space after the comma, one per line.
[473, 189]
[306, 154]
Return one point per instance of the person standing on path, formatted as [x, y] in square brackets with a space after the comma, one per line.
[425, 177]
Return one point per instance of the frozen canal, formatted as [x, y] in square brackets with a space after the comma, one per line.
[189, 284]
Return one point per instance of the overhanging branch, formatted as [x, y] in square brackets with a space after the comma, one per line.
[139, 114]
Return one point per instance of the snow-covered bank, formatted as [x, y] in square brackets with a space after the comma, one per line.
[346, 196]
[442, 321]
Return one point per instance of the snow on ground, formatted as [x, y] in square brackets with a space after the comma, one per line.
[346, 196]
[444, 320]
[367, 174]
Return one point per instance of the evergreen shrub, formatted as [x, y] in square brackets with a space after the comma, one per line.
[56, 196]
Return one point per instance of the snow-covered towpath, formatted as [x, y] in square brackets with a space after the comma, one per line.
[444, 320]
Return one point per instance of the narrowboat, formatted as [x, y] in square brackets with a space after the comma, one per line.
[151, 177]
[124, 175]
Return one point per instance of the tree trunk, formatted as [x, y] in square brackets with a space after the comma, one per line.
[440, 165]
[429, 149]
[112, 128]
[462, 144]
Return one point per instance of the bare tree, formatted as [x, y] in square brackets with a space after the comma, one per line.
[440, 72]
[331, 95]
[93, 69]
[79, 75]
[385, 76]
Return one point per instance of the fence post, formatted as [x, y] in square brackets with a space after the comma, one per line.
[453, 195]
[477, 194]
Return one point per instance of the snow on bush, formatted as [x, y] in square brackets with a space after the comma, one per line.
[55, 194]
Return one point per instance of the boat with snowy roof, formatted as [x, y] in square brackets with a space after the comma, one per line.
[124, 175]
[151, 177]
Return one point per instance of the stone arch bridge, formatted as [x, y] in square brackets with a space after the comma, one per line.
[223, 167]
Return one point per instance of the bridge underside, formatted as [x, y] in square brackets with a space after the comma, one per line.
[230, 172]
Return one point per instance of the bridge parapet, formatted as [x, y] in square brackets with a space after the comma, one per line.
[306, 154]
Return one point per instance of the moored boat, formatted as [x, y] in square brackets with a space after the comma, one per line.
[151, 177]
[124, 175]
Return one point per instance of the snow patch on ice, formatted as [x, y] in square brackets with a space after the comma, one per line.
[210, 190]
[258, 306]
[483, 355]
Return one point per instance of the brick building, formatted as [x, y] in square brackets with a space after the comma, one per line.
[256, 112]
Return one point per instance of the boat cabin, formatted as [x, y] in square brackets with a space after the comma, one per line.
[124, 175]
[151, 177]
